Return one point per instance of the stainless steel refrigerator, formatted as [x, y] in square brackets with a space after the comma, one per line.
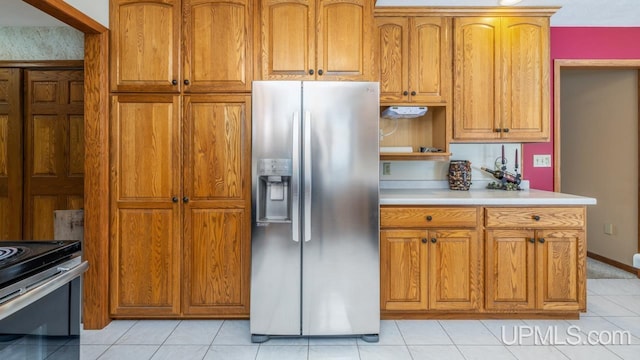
[315, 233]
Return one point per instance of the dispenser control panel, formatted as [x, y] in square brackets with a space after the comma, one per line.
[278, 167]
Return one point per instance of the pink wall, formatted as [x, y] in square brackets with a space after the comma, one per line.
[579, 43]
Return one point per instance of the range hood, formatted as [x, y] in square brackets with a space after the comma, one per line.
[403, 112]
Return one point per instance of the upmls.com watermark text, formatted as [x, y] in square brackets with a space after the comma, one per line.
[554, 335]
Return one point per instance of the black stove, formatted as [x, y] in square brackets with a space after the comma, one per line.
[21, 259]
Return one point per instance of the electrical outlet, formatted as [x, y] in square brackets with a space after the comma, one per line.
[541, 160]
[386, 168]
[608, 229]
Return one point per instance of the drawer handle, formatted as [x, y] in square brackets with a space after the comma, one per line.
[424, 240]
[434, 240]
[541, 240]
[405, 93]
[505, 130]
[429, 218]
[536, 217]
[532, 240]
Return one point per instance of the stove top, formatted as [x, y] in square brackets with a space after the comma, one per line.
[20, 259]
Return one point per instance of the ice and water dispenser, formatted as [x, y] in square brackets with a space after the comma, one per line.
[274, 190]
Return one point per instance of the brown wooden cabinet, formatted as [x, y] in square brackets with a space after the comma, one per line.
[316, 40]
[148, 38]
[11, 163]
[180, 205]
[430, 268]
[501, 78]
[414, 54]
[535, 259]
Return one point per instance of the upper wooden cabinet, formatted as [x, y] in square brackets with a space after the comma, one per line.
[414, 55]
[316, 39]
[154, 52]
[501, 78]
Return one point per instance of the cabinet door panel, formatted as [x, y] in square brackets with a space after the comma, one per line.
[454, 270]
[393, 54]
[403, 275]
[146, 147]
[525, 52]
[477, 85]
[560, 263]
[145, 262]
[288, 39]
[145, 43]
[217, 147]
[218, 46]
[344, 30]
[510, 270]
[430, 59]
[216, 261]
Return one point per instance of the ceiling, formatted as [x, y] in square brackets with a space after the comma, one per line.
[19, 13]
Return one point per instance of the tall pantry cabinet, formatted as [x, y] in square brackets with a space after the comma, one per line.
[181, 73]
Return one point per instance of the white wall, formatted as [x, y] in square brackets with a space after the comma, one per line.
[41, 43]
[573, 12]
[98, 10]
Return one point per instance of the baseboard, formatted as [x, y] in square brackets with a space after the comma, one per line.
[614, 263]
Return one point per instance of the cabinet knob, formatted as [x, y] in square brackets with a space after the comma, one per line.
[405, 93]
[434, 240]
[424, 240]
[413, 93]
[174, 199]
[532, 240]
[505, 130]
[185, 199]
[536, 217]
[498, 130]
[541, 240]
[320, 72]
[311, 71]
[174, 82]
[186, 82]
[429, 218]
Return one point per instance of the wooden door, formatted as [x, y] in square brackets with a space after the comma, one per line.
[10, 154]
[288, 39]
[393, 54]
[430, 59]
[54, 148]
[218, 45]
[510, 270]
[145, 45]
[454, 270]
[560, 267]
[217, 205]
[525, 74]
[477, 83]
[403, 270]
[145, 249]
[344, 40]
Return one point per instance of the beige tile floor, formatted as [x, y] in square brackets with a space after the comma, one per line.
[614, 306]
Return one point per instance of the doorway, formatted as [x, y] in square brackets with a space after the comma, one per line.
[596, 138]
[42, 157]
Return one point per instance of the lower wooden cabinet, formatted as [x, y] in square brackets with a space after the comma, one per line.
[539, 269]
[531, 262]
[429, 269]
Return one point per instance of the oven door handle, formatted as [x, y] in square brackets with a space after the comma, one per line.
[64, 276]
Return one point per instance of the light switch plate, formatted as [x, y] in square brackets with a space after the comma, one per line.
[541, 160]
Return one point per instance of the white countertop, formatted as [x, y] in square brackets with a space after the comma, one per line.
[479, 197]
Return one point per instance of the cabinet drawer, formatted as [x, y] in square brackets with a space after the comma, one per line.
[427, 217]
[535, 217]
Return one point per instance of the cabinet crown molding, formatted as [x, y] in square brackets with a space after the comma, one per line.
[465, 11]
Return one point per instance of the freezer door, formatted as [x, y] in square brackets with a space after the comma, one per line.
[340, 277]
[275, 239]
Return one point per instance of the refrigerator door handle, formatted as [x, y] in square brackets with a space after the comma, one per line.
[307, 176]
[295, 181]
